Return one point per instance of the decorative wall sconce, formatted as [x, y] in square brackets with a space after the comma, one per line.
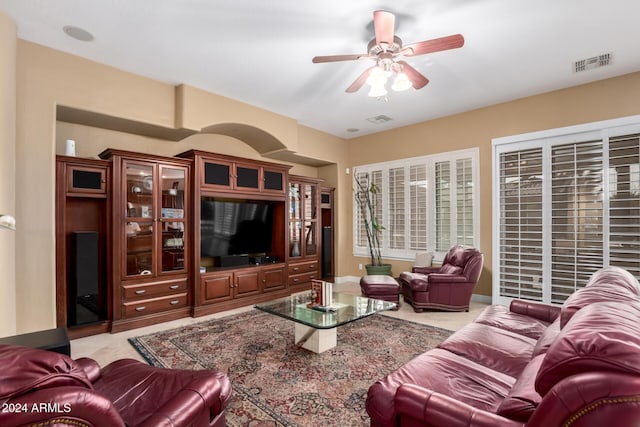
[8, 222]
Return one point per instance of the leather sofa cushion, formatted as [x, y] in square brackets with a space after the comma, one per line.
[547, 338]
[503, 351]
[444, 372]
[599, 292]
[523, 399]
[606, 284]
[34, 369]
[501, 317]
[600, 337]
[450, 269]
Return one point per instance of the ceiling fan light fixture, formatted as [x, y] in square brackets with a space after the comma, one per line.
[401, 82]
[377, 77]
[377, 91]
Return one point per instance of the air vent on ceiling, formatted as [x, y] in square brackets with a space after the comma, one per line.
[591, 63]
[379, 119]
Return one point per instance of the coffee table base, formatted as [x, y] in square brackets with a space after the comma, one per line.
[316, 340]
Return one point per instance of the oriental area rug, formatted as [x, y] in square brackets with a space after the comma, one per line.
[274, 382]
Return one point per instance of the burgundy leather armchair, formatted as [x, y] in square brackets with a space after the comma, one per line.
[43, 388]
[448, 287]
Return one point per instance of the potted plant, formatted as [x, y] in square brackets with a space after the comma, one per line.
[366, 195]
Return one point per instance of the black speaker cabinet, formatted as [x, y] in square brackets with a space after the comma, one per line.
[327, 252]
[84, 304]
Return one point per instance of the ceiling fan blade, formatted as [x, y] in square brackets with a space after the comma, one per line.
[357, 84]
[435, 45]
[335, 58]
[383, 25]
[417, 80]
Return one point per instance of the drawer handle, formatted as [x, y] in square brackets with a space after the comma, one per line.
[295, 280]
[174, 302]
[141, 308]
[145, 272]
[312, 267]
[140, 291]
[295, 269]
[174, 286]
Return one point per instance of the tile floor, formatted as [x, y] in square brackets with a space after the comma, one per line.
[105, 348]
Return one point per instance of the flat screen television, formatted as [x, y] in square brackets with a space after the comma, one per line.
[235, 227]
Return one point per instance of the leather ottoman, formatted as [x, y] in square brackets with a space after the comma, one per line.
[381, 287]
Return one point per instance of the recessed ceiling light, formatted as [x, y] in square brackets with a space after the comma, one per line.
[379, 119]
[77, 33]
[353, 130]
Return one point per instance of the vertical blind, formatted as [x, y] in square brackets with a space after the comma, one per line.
[565, 210]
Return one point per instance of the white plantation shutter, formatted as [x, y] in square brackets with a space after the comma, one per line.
[417, 216]
[443, 206]
[624, 202]
[396, 211]
[418, 207]
[576, 215]
[464, 202]
[520, 260]
[568, 204]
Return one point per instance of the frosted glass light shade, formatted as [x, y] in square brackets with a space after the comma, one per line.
[401, 82]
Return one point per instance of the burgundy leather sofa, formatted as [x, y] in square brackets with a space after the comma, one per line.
[42, 388]
[448, 287]
[532, 365]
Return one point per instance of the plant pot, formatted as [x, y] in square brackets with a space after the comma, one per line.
[384, 269]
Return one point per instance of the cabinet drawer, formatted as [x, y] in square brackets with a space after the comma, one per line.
[153, 289]
[155, 305]
[299, 279]
[303, 267]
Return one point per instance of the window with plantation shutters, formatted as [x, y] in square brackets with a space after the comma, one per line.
[418, 188]
[520, 224]
[624, 202]
[443, 206]
[418, 216]
[567, 203]
[396, 211]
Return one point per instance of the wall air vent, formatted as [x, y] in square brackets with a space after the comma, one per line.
[591, 63]
[380, 119]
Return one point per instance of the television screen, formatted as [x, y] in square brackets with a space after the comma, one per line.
[235, 227]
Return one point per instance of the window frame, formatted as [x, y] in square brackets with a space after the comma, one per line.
[546, 141]
[429, 162]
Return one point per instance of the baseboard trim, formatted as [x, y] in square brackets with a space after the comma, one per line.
[484, 299]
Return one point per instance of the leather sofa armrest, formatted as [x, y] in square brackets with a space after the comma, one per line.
[425, 270]
[447, 278]
[61, 406]
[544, 312]
[429, 408]
[90, 367]
[202, 395]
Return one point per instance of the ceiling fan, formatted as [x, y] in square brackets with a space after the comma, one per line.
[384, 49]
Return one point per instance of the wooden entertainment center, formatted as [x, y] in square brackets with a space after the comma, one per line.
[168, 236]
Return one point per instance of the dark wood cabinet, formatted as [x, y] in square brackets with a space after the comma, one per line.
[129, 239]
[83, 256]
[220, 173]
[304, 238]
[151, 238]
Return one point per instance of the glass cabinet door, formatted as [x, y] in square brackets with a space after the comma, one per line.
[295, 220]
[172, 218]
[139, 210]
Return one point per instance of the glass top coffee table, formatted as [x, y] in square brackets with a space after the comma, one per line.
[315, 330]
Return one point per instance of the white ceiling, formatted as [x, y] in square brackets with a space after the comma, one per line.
[259, 51]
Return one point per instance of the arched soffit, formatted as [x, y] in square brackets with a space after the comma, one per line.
[261, 141]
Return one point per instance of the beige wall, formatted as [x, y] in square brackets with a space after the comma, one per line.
[606, 99]
[7, 173]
